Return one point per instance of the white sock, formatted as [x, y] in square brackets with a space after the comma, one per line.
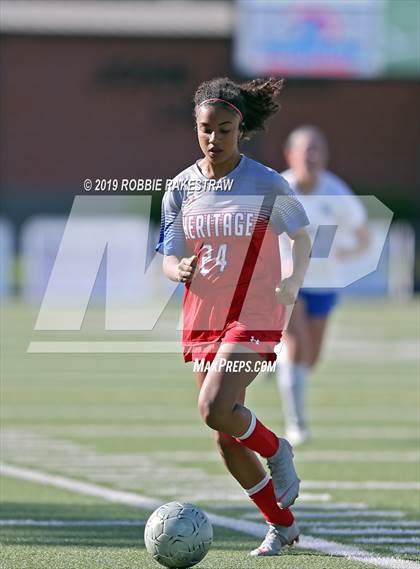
[291, 382]
[250, 429]
[258, 487]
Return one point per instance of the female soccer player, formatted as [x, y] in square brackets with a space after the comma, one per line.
[219, 236]
[335, 205]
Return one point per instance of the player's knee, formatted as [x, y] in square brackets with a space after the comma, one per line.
[207, 413]
[212, 413]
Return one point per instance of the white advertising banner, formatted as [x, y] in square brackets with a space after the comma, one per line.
[320, 38]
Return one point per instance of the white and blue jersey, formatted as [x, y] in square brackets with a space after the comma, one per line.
[330, 204]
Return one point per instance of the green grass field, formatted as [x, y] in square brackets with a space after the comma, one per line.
[128, 422]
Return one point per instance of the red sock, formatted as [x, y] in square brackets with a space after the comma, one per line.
[265, 500]
[260, 439]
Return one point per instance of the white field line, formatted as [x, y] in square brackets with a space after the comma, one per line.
[361, 524]
[297, 508]
[335, 506]
[365, 531]
[211, 456]
[351, 485]
[250, 528]
[85, 488]
[349, 350]
[357, 456]
[385, 414]
[408, 550]
[41, 452]
[350, 514]
[320, 414]
[325, 546]
[301, 456]
[314, 497]
[104, 347]
[228, 496]
[139, 472]
[365, 433]
[71, 523]
[321, 515]
[382, 540]
[193, 430]
[402, 351]
[38, 444]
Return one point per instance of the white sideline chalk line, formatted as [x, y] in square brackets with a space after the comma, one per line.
[137, 523]
[365, 531]
[400, 351]
[302, 456]
[303, 497]
[361, 524]
[89, 430]
[250, 528]
[321, 414]
[414, 540]
[358, 456]
[104, 347]
[122, 471]
[85, 488]
[367, 485]
[334, 506]
[325, 546]
[336, 515]
[71, 523]
[412, 550]
[298, 508]
[36, 442]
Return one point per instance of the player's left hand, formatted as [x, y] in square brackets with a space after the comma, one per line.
[287, 291]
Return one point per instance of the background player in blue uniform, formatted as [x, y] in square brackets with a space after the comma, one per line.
[307, 155]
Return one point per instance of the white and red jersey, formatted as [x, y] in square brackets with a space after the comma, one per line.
[233, 226]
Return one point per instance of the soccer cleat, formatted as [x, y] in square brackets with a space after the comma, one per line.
[276, 538]
[282, 470]
[297, 436]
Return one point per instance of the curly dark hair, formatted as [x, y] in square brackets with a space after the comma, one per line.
[255, 99]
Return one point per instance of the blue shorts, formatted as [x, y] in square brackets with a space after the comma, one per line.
[318, 304]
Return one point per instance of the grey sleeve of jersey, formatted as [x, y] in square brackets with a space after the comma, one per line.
[288, 214]
[171, 238]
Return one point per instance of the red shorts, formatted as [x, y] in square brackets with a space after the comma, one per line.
[236, 333]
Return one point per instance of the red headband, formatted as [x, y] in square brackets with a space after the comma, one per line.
[215, 99]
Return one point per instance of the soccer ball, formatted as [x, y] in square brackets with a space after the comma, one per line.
[178, 535]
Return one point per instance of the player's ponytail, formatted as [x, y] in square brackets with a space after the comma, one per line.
[259, 97]
[255, 101]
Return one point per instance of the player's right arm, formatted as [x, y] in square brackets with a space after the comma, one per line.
[352, 216]
[176, 266]
[179, 270]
